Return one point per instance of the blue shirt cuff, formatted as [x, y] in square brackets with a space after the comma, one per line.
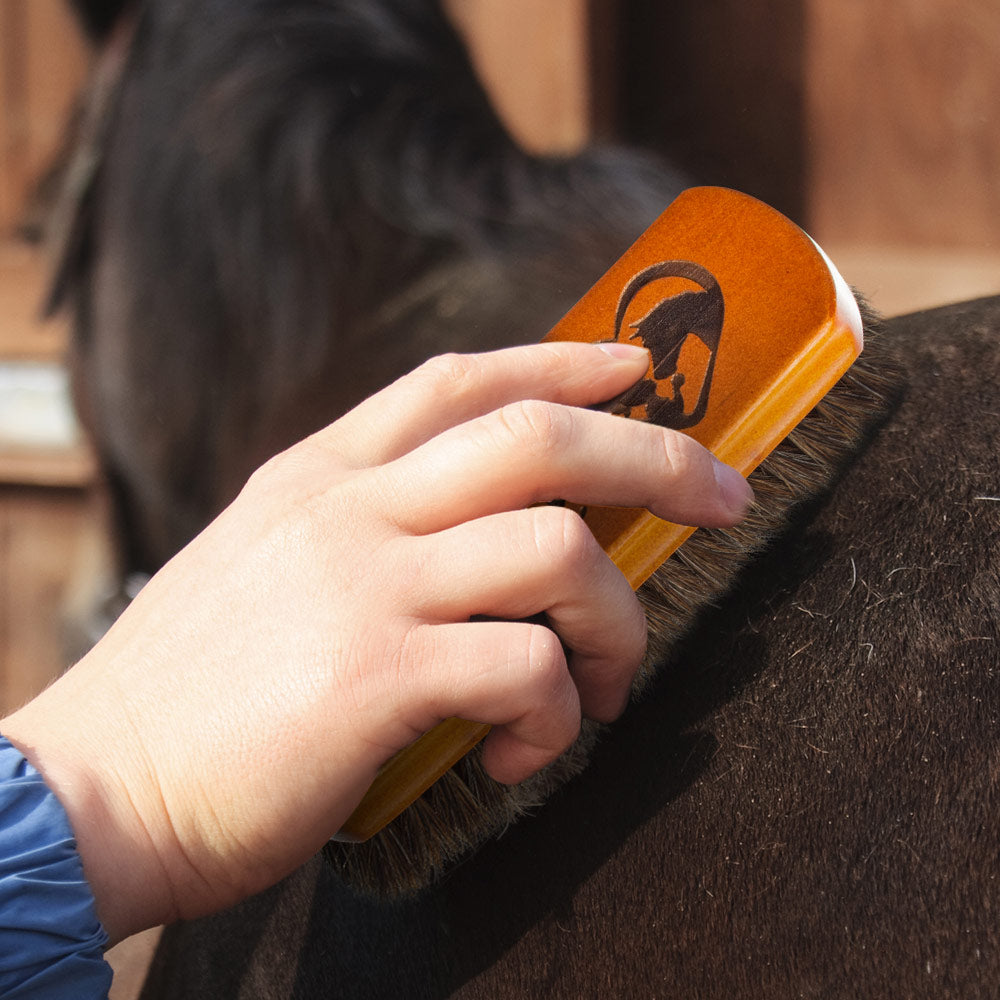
[51, 942]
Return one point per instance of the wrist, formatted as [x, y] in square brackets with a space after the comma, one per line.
[120, 859]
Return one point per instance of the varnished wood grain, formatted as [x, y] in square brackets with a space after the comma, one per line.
[783, 338]
[783, 342]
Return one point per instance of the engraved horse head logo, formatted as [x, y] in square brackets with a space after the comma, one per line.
[682, 332]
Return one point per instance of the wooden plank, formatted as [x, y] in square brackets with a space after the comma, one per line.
[902, 279]
[43, 539]
[534, 60]
[902, 137]
[24, 336]
[43, 61]
[23, 280]
[12, 112]
[55, 67]
[74, 466]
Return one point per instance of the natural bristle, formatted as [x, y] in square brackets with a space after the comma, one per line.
[466, 807]
[450, 820]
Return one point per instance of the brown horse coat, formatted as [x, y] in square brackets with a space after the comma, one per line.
[804, 805]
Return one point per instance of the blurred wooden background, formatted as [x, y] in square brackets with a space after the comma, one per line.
[42, 63]
[874, 125]
[45, 513]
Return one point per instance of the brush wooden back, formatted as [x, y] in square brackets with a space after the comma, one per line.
[748, 326]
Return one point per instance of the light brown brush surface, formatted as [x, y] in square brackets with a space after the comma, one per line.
[737, 307]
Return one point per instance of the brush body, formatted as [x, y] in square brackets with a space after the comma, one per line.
[748, 325]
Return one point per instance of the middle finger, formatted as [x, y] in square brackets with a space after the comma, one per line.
[531, 452]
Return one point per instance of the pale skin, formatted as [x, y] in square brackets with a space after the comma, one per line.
[235, 714]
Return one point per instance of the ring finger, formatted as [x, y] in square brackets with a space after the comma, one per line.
[544, 559]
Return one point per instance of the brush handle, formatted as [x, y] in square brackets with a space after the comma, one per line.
[748, 324]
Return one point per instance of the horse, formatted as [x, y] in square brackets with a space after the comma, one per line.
[801, 802]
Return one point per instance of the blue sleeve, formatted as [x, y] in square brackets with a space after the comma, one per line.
[51, 942]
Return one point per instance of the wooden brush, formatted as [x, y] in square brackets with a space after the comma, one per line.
[750, 330]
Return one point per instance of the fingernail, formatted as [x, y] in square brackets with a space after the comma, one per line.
[736, 491]
[625, 352]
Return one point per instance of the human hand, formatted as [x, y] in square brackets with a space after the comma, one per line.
[235, 714]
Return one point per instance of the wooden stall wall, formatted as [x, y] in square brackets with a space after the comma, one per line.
[903, 143]
[876, 125]
[904, 127]
[46, 514]
[42, 62]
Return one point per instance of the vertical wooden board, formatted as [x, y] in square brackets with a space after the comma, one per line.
[23, 281]
[11, 108]
[42, 531]
[533, 59]
[903, 140]
[43, 62]
[55, 68]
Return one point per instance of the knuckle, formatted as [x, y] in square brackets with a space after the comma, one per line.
[551, 715]
[562, 538]
[301, 470]
[273, 477]
[266, 475]
[535, 426]
[547, 671]
[449, 372]
[551, 688]
[680, 454]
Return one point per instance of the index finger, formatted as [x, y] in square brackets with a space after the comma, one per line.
[454, 388]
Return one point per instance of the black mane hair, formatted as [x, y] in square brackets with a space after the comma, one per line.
[296, 202]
